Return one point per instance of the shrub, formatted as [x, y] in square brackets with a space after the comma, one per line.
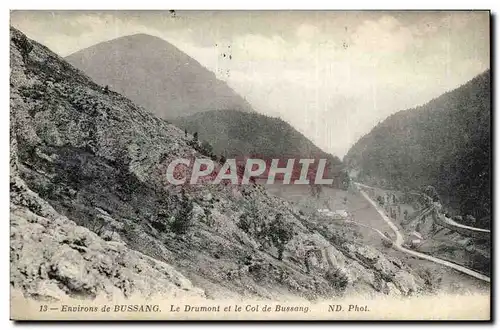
[159, 225]
[183, 220]
[245, 222]
[207, 150]
[470, 220]
[96, 225]
[316, 190]
[25, 46]
[431, 279]
[432, 193]
[281, 233]
[337, 279]
[249, 218]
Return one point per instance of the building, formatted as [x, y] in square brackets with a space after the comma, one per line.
[414, 240]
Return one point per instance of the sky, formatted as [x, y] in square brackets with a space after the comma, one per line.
[333, 75]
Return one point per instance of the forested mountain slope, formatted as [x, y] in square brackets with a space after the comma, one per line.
[445, 143]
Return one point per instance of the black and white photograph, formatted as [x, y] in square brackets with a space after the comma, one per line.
[309, 165]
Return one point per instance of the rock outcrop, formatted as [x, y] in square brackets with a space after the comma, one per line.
[52, 258]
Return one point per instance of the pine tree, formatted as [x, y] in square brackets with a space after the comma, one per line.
[281, 233]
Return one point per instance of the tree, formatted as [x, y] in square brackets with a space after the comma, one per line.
[245, 222]
[207, 149]
[185, 132]
[470, 220]
[106, 89]
[183, 220]
[249, 219]
[281, 233]
[432, 193]
[316, 190]
[25, 46]
[195, 136]
[337, 278]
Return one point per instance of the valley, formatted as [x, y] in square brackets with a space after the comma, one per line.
[374, 227]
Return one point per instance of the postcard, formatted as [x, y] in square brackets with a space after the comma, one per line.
[250, 165]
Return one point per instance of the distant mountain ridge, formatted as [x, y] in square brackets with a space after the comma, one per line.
[444, 143]
[157, 76]
[237, 134]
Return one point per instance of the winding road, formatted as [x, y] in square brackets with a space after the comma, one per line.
[447, 222]
[398, 243]
[459, 225]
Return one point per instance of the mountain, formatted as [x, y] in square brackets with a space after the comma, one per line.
[164, 80]
[237, 134]
[92, 214]
[157, 76]
[445, 143]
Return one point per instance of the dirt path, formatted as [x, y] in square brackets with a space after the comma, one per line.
[399, 242]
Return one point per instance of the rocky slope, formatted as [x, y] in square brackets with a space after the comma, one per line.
[92, 213]
[52, 258]
[156, 75]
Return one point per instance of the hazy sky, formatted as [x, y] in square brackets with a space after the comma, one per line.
[332, 75]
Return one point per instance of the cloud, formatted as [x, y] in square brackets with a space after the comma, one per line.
[382, 37]
[306, 31]
[258, 47]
